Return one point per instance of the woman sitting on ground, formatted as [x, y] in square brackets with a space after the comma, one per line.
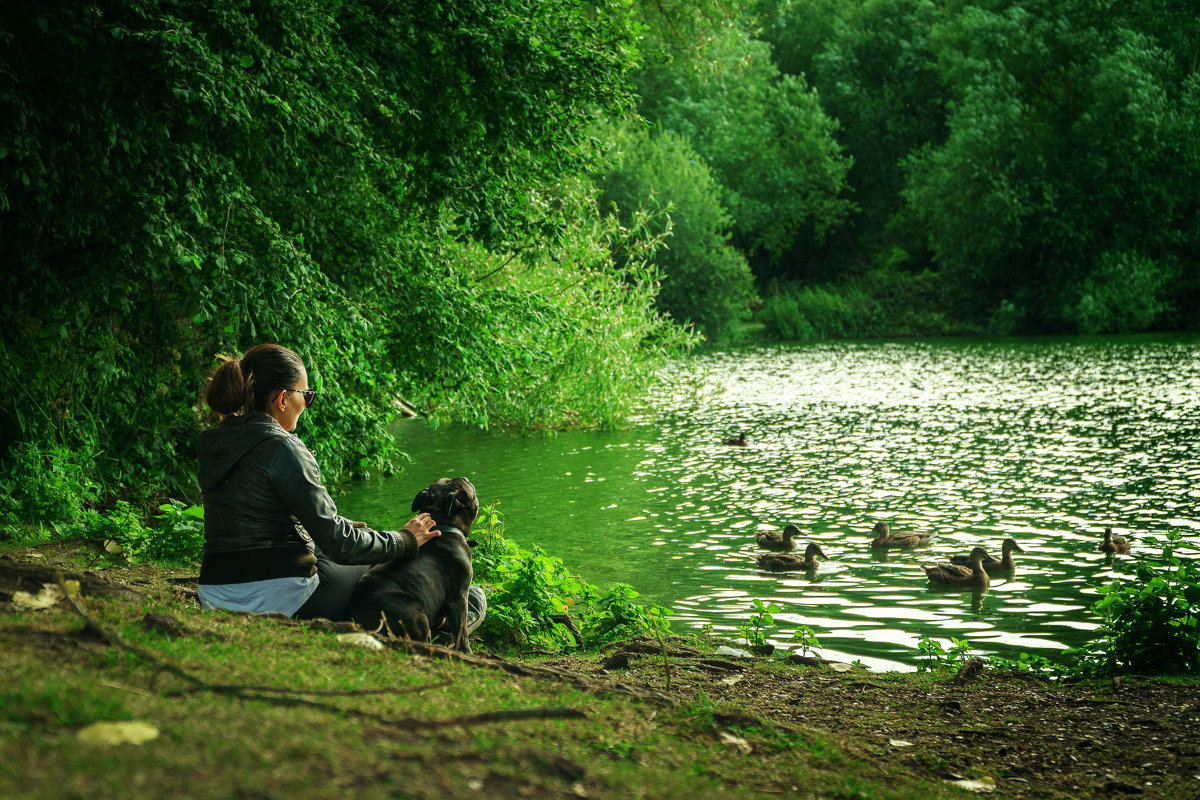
[273, 540]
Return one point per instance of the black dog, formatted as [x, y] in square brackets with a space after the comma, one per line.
[413, 596]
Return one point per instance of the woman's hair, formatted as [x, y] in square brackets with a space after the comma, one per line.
[245, 385]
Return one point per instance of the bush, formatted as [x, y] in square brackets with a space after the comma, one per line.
[705, 280]
[46, 484]
[1151, 624]
[1122, 295]
[818, 313]
[533, 594]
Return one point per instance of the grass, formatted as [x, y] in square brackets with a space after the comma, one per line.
[252, 707]
[382, 738]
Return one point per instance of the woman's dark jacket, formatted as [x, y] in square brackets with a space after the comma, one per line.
[265, 505]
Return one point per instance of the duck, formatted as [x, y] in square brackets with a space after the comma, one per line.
[784, 562]
[1113, 544]
[885, 538]
[778, 540]
[958, 575]
[740, 441]
[1003, 564]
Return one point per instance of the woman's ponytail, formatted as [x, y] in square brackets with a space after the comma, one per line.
[245, 385]
[228, 389]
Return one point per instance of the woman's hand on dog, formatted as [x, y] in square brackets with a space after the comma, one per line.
[421, 527]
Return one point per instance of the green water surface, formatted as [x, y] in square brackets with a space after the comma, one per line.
[1046, 440]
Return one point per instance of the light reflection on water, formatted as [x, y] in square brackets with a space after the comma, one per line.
[1046, 440]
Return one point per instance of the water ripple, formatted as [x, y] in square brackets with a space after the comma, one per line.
[1048, 441]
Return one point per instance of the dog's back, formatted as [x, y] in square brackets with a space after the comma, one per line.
[412, 597]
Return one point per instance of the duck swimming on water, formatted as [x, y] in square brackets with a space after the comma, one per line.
[786, 562]
[1113, 544]
[991, 564]
[884, 537]
[958, 575]
[778, 540]
[739, 441]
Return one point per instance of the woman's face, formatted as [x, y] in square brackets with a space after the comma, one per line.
[288, 404]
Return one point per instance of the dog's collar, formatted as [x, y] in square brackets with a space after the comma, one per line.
[451, 529]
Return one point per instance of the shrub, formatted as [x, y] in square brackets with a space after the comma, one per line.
[533, 594]
[705, 280]
[818, 313]
[47, 484]
[1150, 623]
[1122, 295]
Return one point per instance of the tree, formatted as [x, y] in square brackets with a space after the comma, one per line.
[770, 145]
[705, 281]
[1070, 172]
[179, 179]
[877, 75]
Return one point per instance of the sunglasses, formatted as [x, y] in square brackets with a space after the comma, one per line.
[309, 395]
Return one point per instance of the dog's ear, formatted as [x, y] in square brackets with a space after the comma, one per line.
[422, 500]
[456, 501]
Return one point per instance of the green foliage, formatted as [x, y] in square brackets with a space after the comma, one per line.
[877, 75]
[1152, 623]
[529, 589]
[48, 484]
[754, 629]
[818, 313]
[1039, 161]
[120, 527]
[1124, 294]
[704, 280]
[1035, 665]
[799, 30]
[179, 537]
[545, 337]
[1070, 159]
[938, 657]
[765, 136]
[344, 178]
[615, 615]
[806, 637]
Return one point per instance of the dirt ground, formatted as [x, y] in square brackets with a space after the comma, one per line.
[1020, 736]
[1132, 736]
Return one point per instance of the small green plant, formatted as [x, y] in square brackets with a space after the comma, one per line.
[1152, 623]
[937, 657]
[754, 629]
[1034, 665]
[177, 538]
[180, 534]
[121, 524]
[614, 615]
[806, 637]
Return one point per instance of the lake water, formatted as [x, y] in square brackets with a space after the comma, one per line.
[1045, 440]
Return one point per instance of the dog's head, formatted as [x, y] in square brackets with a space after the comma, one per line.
[449, 501]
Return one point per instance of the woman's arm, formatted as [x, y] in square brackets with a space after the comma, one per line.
[295, 476]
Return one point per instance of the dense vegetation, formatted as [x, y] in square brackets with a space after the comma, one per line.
[510, 213]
